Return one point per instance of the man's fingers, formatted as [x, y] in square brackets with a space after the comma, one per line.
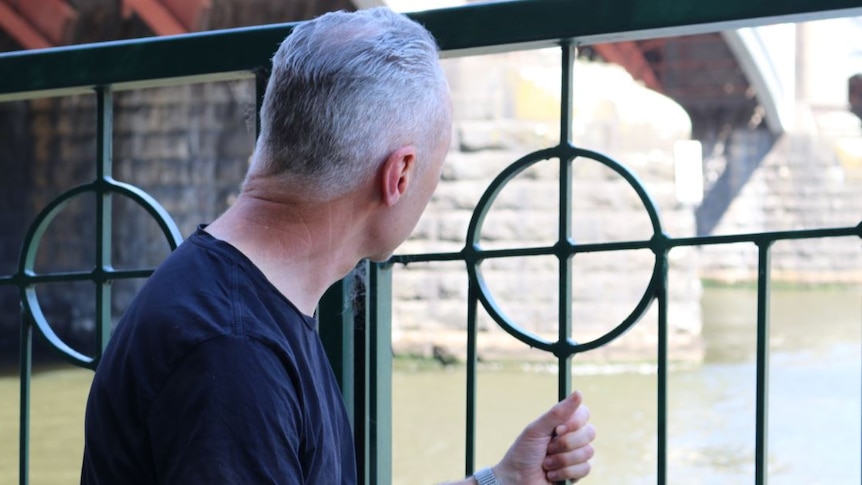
[574, 472]
[577, 421]
[569, 458]
[572, 440]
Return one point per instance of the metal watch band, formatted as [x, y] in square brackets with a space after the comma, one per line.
[486, 476]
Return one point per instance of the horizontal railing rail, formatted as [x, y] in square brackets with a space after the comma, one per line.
[468, 29]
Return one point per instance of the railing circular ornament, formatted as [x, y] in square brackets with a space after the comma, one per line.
[100, 275]
[563, 249]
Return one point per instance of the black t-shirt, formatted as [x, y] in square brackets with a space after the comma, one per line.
[213, 376]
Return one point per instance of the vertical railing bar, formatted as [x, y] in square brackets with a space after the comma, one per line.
[104, 168]
[661, 384]
[380, 376]
[25, 369]
[105, 119]
[762, 391]
[564, 298]
[261, 77]
[564, 229]
[569, 53]
[470, 440]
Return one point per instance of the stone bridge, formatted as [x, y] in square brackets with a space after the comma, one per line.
[744, 89]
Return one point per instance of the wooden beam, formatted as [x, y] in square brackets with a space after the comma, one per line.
[189, 13]
[157, 17]
[54, 19]
[629, 55]
[20, 29]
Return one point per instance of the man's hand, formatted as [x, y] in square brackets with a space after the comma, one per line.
[555, 447]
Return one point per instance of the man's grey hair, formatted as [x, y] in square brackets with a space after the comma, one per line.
[346, 90]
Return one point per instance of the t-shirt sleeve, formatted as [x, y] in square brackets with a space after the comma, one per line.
[228, 413]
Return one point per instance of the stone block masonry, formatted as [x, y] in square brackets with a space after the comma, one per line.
[188, 146]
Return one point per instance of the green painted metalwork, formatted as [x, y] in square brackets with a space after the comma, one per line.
[379, 378]
[104, 209]
[472, 360]
[661, 374]
[473, 254]
[26, 369]
[104, 187]
[357, 338]
[564, 229]
[762, 379]
[27, 278]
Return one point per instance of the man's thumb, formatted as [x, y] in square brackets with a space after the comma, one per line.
[561, 413]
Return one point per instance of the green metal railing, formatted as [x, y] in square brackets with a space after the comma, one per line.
[357, 332]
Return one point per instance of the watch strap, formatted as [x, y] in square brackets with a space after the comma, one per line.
[486, 476]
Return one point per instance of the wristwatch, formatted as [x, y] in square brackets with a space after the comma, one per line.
[486, 476]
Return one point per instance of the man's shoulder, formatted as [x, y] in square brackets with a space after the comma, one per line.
[191, 281]
[203, 290]
[186, 301]
[199, 261]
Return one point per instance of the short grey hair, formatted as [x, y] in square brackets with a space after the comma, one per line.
[346, 90]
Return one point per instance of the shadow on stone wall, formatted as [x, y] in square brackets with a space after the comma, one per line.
[742, 155]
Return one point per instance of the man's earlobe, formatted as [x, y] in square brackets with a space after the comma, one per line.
[397, 174]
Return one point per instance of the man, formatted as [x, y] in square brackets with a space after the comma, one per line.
[215, 373]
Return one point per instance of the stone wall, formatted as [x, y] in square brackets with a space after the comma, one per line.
[187, 146]
[52, 149]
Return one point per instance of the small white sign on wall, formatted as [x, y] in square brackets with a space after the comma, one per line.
[688, 171]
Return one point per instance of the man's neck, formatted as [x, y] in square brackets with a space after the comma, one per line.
[302, 248]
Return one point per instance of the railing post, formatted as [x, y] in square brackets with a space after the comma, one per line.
[355, 327]
[379, 377]
[337, 313]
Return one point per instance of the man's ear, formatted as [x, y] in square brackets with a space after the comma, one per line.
[397, 174]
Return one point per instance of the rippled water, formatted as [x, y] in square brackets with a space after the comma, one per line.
[815, 426]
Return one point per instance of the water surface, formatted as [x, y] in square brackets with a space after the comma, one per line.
[814, 405]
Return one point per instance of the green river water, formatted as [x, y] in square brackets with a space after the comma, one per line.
[815, 426]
